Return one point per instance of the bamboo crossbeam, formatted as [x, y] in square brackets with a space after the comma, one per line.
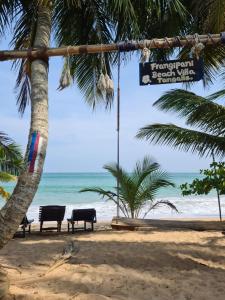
[172, 42]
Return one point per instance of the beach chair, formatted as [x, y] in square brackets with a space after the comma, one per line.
[50, 213]
[26, 223]
[86, 215]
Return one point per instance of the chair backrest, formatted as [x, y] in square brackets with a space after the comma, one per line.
[86, 214]
[51, 213]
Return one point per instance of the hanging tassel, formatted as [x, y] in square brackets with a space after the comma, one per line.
[65, 79]
[145, 55]
[101, 85]
[109, 85]
[197, 49]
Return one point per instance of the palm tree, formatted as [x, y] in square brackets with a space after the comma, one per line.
[137, 190]
[204, 115]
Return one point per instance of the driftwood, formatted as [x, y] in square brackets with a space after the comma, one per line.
[68, 252]
[151, 224]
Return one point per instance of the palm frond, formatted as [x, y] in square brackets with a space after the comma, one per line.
[195, 110]
[6, 177]
[87, 23]
[216, 96]
[153, 183]
[108, 195]
[11, 160]
[159, 204]
[7, 11]
[183, 139]
[97, 22]
[212, 13]
[23, 38]
[143, 169]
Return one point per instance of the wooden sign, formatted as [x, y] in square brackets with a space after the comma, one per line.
[172, 71]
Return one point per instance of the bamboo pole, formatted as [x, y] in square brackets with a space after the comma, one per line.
[172, 42]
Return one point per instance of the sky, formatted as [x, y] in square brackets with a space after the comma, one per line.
[81, 140]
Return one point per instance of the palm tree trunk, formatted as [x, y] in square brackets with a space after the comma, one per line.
[16, 207]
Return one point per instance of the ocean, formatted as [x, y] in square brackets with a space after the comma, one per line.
[63, 189]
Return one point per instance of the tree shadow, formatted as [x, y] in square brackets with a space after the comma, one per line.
[122, 268]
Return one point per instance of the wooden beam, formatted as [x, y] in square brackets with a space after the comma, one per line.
[172, 42]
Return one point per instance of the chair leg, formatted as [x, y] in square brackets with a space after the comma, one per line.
[29, 228]
[24, 231]
[41, 226]
[92, 226]
[68, 227]
[59, 226]
[72, 227]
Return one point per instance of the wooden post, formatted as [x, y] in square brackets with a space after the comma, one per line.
[217, 191]
[172, 42]
[118, 134]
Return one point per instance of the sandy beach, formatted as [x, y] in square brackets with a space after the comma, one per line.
[107, 264]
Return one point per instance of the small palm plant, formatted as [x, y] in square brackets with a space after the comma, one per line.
[11, 162]
[137, 190]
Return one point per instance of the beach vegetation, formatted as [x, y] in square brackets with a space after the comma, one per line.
[206, 137]
[137, 190]
[11, 162]
[213, 179]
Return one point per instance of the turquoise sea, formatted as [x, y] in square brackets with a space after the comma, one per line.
[63, 189]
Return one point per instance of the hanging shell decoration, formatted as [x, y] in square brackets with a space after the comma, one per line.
[145, 55]
[197, 49]
[101, 84]
[105, 85]
[109, 85]
[65, 79]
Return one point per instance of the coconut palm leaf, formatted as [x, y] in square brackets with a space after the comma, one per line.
[207, 17]
[6, 177]
[6, 15]
[108, 195]
[216, 96]
[11, 160]
[211, 13]
[93, 22]
[195, 110]
[183, 139]
[159, 204]
[23, 38]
